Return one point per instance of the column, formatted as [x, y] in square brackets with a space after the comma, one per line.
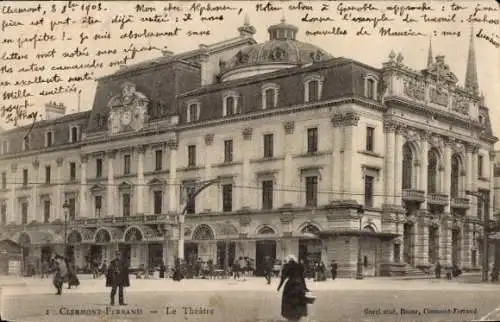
[289, 198]
[470, 179]
[208, 200]
[445, 188]
[110, 192]
[83, 186]
[35, 214]
[492, 186]
[423, 170]
[244, 195]
[13, 216]
[336, 166]
[58, 197]
[140, 179]
[173, 187]
[352, 171]
[466, 245]
[389, 168]
[398, 171]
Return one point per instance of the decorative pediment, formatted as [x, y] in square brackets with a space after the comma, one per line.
[125, 185]
[97, 188]
[156, 182]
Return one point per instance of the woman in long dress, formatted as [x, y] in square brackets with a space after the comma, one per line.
[293, 300]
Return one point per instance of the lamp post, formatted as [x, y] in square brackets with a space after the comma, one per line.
[486, 224]
[66, 210]
[359, 264]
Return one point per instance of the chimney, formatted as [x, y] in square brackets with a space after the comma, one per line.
[54, 110]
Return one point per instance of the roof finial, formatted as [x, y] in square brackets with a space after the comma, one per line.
[246, 20]
[247, 29]
[430, 60]
[471, 82]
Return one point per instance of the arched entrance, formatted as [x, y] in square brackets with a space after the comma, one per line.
[264, 248]
[309, 245]
[102, 239]
[369, 252]
[409, 242]
[203, 234]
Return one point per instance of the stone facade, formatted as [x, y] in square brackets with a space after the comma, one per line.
[292, 173]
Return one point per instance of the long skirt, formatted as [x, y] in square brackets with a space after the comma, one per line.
[293, 302]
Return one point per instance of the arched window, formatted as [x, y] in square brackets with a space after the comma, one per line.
[270, 98]
[313, 90]
[370, 88]
[310, 229]
[407, 166]
[455, 175]
[133, 234]
[432, 171]
[102, 236]
[266, 231]
[203, 232]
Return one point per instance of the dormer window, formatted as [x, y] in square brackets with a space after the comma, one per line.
[193, 112]
[5, 147]
[313, 87]
[26, 143]
[269, 96]
[49, 139]
[73, 134]
[230, 104]
[371, 87]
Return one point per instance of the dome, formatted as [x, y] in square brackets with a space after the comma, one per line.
[282, 50]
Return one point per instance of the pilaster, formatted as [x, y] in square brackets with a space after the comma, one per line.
[389, 166]
[336, 163]
[244, 193]
[398, 171]
[35, 214]
[286, 178]
[140, 179]
[471, 178]
[12, 202]
[58, 197]
[172, 177]
[110, 157]
[447, 174]
[423, 169]
[208, 204]
[83, 186]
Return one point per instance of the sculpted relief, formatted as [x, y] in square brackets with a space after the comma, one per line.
[438, 96]
[127, 110]
[414, 89]
[460, 105]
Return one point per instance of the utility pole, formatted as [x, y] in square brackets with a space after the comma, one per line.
[486, 229]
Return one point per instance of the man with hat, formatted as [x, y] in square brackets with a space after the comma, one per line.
[117, 277]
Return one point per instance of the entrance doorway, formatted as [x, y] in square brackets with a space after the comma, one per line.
[155, 253]
[190, 252]
[263, 248]
[221, 254]
[125, 250]
[96, 253]
[408, 243]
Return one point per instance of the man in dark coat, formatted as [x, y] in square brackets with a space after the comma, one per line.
[268, 269]
[60, 272]
[333, 268]
[117, 277]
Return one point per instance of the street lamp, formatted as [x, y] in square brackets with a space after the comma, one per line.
[486, 224]
[66, 210]
[359, 264]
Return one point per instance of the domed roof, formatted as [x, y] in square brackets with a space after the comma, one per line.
[281, 49]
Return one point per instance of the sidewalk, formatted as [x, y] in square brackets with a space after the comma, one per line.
[41, 286]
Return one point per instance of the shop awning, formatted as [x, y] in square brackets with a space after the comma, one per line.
[361, 233]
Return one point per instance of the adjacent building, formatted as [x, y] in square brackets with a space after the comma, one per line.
[300, 152]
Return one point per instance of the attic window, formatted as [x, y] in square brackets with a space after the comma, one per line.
[269, 96]
[74, 134]
[49, 139]
[230, 104]
[313, 87]
[371, 87]
[193, 112]
[5, 146]
[26, 143]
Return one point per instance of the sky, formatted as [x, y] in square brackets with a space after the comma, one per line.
[372, 50]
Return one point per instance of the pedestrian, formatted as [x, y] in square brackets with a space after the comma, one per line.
[45, 268]
[449, 272]
[117, 277]
[236, 269]
[333, 269]
[72, 278]
[437, 270]
[293, 300]
[268, 268]
[162, 269]
[321, 272]
[177, 271]
[60, 272]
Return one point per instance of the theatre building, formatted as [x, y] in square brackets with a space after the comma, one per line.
[299, 152]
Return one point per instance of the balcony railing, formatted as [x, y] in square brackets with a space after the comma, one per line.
[137, 219]
[460, 202]
[437, 199]
[413, 195]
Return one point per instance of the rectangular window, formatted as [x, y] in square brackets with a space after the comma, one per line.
[46, 211]
[312, 140]
[191, 155]
[313, 91]
[158, 159]
[228, 151]
[49, 139]
[193, 112]
[26, 143]
[98, 205]
[267, 194]
[189, 191]
[72, 209]
[74, 134]
[98, 168]
[370, 91]
[268, 146]
[369, 138]
[230, 102]
[312, 191]
[126, 204]
[126, 164]
[24, 213]
[270, 98]
[480, 161]
[4, 214]
[72, 171]
[47, 174]
[4, 180]
[25, 177]
[158, 200]
[368, 191]
[227, 197]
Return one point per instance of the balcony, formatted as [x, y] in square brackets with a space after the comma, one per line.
[460, 203]
[130, 220]
[413, 195]
[438, 199]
